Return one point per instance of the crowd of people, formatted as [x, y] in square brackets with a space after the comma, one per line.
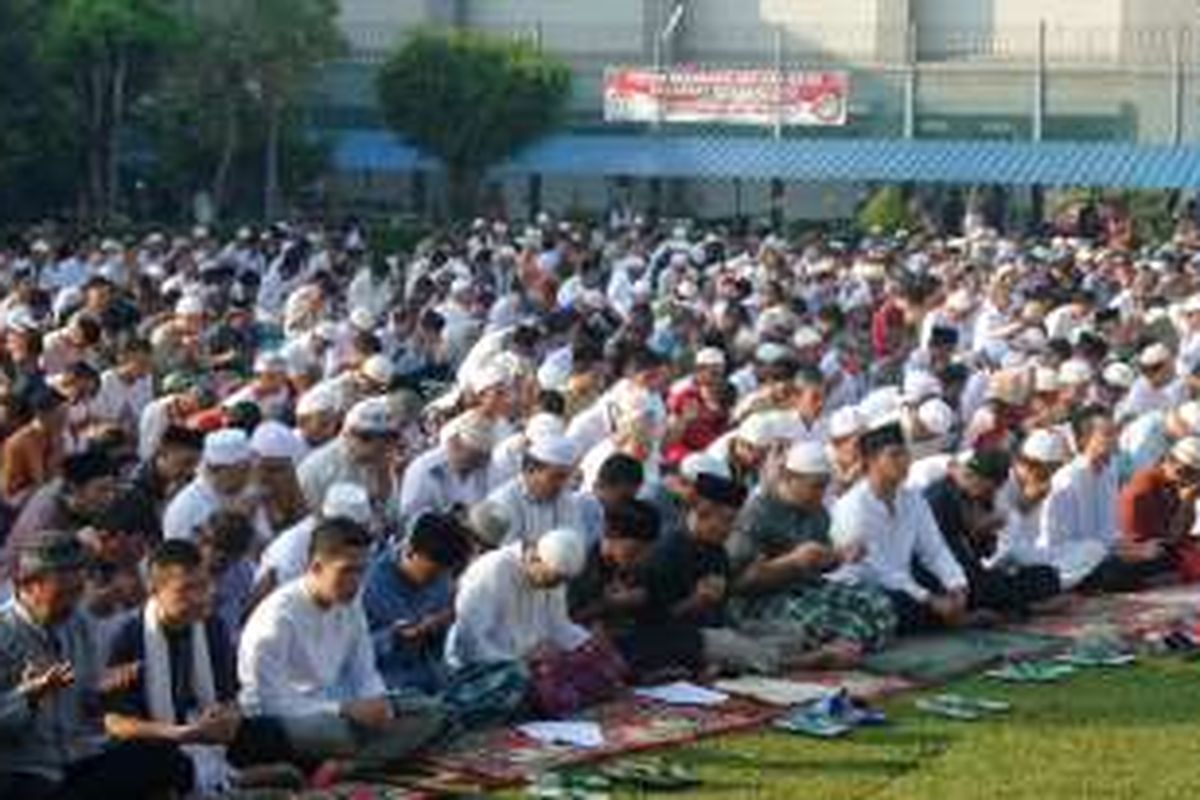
[281, 509]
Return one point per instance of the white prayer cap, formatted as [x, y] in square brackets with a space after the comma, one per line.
[960, 301]
[544, 424]
[1192, 305]
[372, 415]
[362, 319]
[1046, 447]
[556, 450]
[1154, 355]
[919, 385]
[1045, 380]
[111, 246]
[771, 353]
[41, 247]
[1189, 413]
[881, 402]
[273, 362]
[564, 550]
[936, 416]
[460, 285]
[21, 319]
[710, 357]
[226, 447]
[317, 400]
[472, 429]
[1074, 372]
[273, 439]
[806, 336]
[489, 377]
[696, 464]
[807, 458]
[554, 374]
[379, 369]
[767, 427]
[846, 421]
[189, 305]
[1120, 375]
[348, 500]
[1187, 452]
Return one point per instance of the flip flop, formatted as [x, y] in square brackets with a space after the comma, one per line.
[808, 722]
[1031, 672]
[569, 786]
[650, 774]
[954, 711]
[975, 703]
[841, 706]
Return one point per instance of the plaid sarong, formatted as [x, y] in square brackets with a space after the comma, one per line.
[821, 613]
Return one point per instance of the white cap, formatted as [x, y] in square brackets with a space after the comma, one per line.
[881, 402]
[696, 464]
[960, 301]
[362, 319]
[1187, 451]
[273, 362]
[189, 305]
[317, 400]
[488, 377]
[554, 374]
[226, 447]
[564, 550]
[545, 424]
[372, 415]
[472, 429]
[710, 357]
[807, 458]
[1074, 372]
[1189, 413]
[919, 385]
[1119, 374]
[846, 421]
[379, 369]
[1046, 446]
[1191, 305]
[806, 336]
[1154, 355]
[936, 416]
[273, 439]
[347, 500]
[553, 449]
[767, 427]
[1045, 380]
[771, 353]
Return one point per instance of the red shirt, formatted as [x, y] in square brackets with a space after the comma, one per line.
[1147, 505]
[703, 430]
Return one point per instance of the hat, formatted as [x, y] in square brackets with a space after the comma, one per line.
[52, 551]
[1074, 372]
[710, 357]
[1187, 452]
[1045, 380]
[362, 319]
[319, 399]
[472, 429]
[488, 377]
[273, 439]
[761, 429]
[696, 464]
[936, 416]
[846, 421]
[1189, 413]
[1120, 375]
[1191, 305]
[880, 403]
[721, 491]
[806, 336]
[347, 500]
[189, 305]
[1154, 355]
[960, 301]
[807, 458]
[920, 385]
[991, 464]
[880, 436]
[270, 363]
[379, 368]
[554, 449]
[772, 353]
[544, 424]
[372, 415]
[564, 550]
[225, 448]
[1046, 447]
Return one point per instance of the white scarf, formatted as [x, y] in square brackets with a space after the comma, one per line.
[212, 771]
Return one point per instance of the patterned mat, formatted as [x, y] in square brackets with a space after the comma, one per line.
[938, 658]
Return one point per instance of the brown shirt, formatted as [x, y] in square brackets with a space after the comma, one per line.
[1150, 508]
[29, 459]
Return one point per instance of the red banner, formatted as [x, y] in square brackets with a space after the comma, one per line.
[735, 97]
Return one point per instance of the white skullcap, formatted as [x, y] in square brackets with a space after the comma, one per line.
[545, 424]
[1189, 413]
[846, 421]
[1074, 372]
[226, 447]
[696, 464]
[553, 449]
[362, 319]
[806, 336]
[807, 458]
[554, 374]
[936, 416]
[1192, 305]
[1120, 375]
[472, 429]
[372, 415]
[563, 550]
[273, 439]
[1187, 452]
[1045, 380]
[960, 300]
[1154, 355]
[379, 368]
[881, 402]
[189, 305]
[767, 427]
[771, 353]
[348, 500]
[710, 357]
[270, 362]
[919, 385]
[1046, 447]
[317, 400]
[488, 377]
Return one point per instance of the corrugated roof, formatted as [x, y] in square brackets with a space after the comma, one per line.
[826, 160]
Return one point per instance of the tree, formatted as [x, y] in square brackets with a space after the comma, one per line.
[471, 101]
[109, 50]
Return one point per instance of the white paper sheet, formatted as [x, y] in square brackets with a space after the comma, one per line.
[682, 693]
[576, 734]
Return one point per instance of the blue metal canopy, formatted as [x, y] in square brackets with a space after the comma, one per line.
[824, 160]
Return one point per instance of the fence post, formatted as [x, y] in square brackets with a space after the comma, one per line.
[779, 77]
[1177, 89]
[1039, 85]
[910, 81]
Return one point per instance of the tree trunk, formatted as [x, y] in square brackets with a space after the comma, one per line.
[462, 191]
[94, 96]
[229, 143]
[113, 144]
[271, 167]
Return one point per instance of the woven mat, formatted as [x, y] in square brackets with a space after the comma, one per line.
[938, 658]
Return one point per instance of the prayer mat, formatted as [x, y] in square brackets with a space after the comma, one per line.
[937, 658]
[505, 757]
[858, 684]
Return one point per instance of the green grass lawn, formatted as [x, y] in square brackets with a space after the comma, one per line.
[1126, 733]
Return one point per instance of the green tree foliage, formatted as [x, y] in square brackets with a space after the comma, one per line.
[471, 100]
[887, 211]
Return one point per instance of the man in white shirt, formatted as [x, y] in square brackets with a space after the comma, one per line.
[455, 473]
[540, 498]
[223, 484]
[881, 525]
[306, 660]
[127, 388]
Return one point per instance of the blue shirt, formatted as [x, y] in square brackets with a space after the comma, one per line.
[389, 597]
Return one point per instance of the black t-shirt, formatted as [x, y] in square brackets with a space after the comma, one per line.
[676, 566]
